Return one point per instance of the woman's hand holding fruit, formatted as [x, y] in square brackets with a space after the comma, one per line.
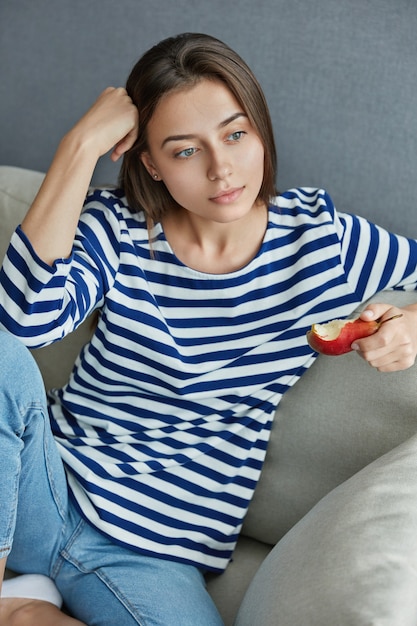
[383, 335]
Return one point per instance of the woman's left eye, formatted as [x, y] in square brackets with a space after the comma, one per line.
[238, 134]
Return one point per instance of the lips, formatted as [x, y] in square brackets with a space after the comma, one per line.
[227, 196]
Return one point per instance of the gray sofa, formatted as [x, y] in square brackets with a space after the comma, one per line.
[330, 538]
[331, 534]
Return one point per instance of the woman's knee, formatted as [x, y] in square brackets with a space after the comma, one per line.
[22, 615]
[42, 613]
[20, 378]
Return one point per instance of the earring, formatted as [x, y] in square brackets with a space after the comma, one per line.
[155, 176]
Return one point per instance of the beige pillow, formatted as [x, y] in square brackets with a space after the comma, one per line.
[352, 560]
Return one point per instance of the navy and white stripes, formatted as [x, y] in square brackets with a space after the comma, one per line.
[164, 423]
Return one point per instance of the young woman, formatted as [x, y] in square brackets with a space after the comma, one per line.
[205, 282]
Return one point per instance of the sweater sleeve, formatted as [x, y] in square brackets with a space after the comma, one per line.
[373, 258]
[41, 304]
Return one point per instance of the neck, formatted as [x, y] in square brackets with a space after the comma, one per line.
[212, 247]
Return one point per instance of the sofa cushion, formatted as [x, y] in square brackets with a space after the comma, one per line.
[18, 187]
[352, 560]
[228, 589]
[341, 415]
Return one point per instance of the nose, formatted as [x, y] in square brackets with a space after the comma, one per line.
[220, 166]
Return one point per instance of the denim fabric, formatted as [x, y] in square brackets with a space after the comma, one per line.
[33, 491]
[102, 583]
[128, 588]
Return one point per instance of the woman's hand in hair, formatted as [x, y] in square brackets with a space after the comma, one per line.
[110, 124]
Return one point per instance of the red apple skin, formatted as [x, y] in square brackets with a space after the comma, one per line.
[352, 330]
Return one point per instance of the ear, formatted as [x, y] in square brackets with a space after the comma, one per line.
[146, 159]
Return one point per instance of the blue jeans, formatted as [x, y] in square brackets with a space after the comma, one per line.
[103, 584]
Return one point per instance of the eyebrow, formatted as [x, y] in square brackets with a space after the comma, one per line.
[223, 124]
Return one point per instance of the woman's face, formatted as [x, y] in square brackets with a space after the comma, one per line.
[202, 145]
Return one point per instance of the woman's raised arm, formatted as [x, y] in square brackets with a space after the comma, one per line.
[110, 124]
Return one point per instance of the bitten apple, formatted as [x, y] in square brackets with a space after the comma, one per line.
[337, 336]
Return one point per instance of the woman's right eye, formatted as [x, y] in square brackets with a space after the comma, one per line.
[186, 153]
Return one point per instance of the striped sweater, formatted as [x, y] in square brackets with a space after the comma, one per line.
[164, 423]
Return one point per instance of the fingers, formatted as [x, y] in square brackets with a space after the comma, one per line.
[393, 347]
[401, 358]
[124, 145]
[376, 310]
[111, 123]
[128, 140]
[126, 115]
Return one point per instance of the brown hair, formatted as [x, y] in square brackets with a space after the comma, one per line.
[176, 63]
